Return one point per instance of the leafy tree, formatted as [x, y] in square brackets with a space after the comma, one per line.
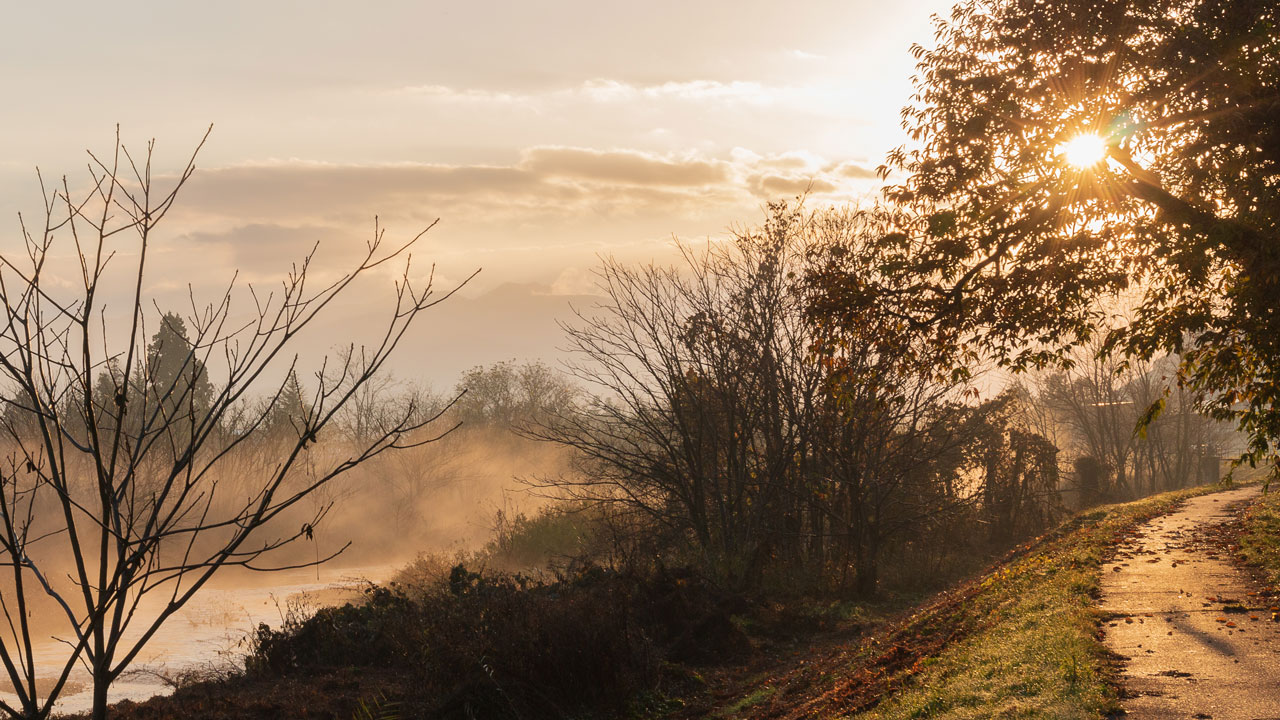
[1021, 240]
[888, 440]
[513, 395]
[1018, 468]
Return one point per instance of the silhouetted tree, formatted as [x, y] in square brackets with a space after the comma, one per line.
[735, 409]
[512, 395]
[113, 488]
[1023, 250]
[1018, 468]
[175, 377]
[893, 424]
[288, 410]
[703, 392]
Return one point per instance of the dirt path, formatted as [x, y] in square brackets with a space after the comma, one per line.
[1199, 642]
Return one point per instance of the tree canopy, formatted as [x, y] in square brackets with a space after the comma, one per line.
[1167, 240]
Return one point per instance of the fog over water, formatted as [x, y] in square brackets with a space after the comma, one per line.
[210, 633]
[438, 498]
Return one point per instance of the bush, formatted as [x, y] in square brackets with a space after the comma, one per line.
[381, 632]
[555, 535]
[505, 645]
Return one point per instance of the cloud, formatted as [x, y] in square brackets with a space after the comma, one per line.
[306, 192]
[576, 281]
[446, 93]
[692, 90]
[604, 90]
[819, 111]
[623, 166]
[553, 195]
[545, 179]
[854, 171]
[771, 185]
[791, 161]
[258, 246]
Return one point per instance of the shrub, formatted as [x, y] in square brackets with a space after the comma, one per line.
[505, 645]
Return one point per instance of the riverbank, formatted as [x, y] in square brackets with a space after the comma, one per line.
[1021, 638]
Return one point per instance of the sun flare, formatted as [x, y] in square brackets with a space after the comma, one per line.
[1084, 151]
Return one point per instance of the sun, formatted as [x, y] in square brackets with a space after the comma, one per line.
[1084, 151]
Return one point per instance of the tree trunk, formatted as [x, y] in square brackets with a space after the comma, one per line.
[101, 682]
[867, 571]
[867, 574]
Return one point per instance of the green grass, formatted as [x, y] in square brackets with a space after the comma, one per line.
[1034, 650]
[1260, 536]
[755, 698]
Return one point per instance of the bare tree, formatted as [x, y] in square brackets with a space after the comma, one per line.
[1181, 445]
[762, 429]
[115, 485]
[1094, 400]
[373, 405]
[1113, 433]
[889, 437]
[702, 383]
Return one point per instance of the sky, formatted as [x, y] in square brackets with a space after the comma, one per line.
[542, 136]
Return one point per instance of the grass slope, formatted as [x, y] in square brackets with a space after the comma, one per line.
[1259, 537]
[1036, 652]
[1020, 641]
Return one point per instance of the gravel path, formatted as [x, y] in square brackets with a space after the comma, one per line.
[1199, 642]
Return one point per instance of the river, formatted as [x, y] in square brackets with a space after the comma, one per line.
[210, 632]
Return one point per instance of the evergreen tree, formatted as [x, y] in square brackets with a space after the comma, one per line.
[178, 391]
